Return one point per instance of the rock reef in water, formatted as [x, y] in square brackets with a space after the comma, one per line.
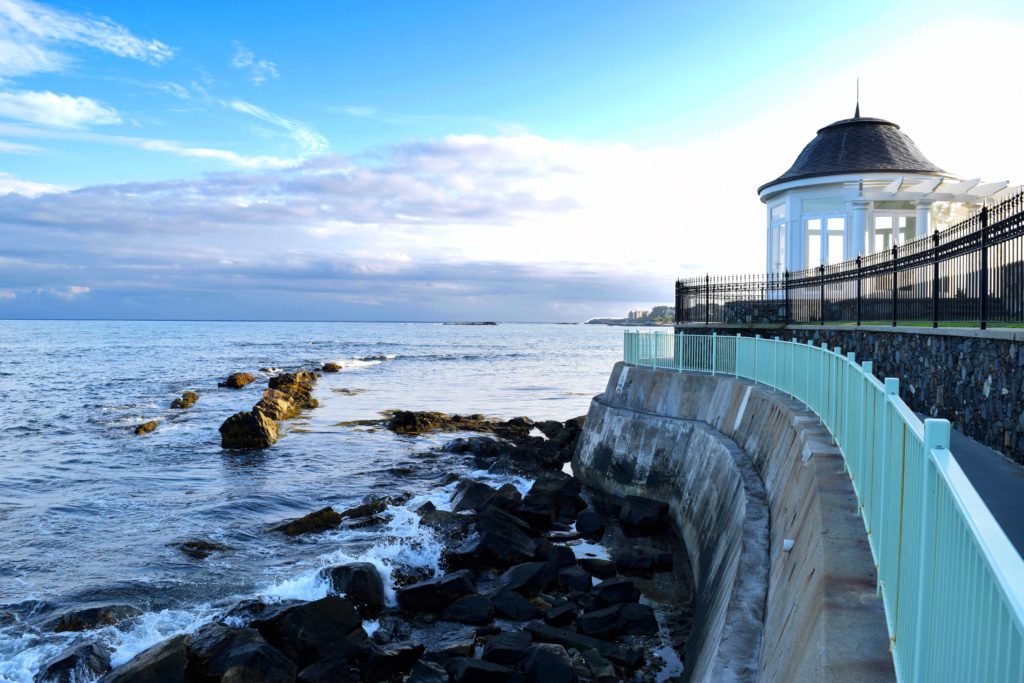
[187, 400]
[146, 427]
[237, 380]
[250, 429]
[287, 394]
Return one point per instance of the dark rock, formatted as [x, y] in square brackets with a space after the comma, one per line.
[549, 428]
[507, 649]
[601, 670]
[463, 670]
[471, 495]
[199, 549]
[643, 516]
[469, 609]
[221, 653]
[427, 672]
[566, 638]
[445, 640]
[548, 663]
[92, 617]
[484, 447]
[321, 520]
[529, 578]
[316, 630]
[517, 428]
[248, 430]
[554, 496]
[82, 662]
[614, 592]
[515, 462]
[590, 525]
[603, 623]
[449, 524]
[501, 541]
[435, 594]
[560, 555]
[638, 619]
[334, 669]
[560, 616]
[187, 400]
[330, 367]
[642, 561]
[166, 661]
[511, 605]
[602, 569]
[574, 579]
[361, 583]
[237, 380]
[146, 427]
[387, 661]
[391, 629]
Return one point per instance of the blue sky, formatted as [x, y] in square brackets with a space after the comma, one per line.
[516, 161]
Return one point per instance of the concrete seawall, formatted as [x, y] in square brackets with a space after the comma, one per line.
[743, 469]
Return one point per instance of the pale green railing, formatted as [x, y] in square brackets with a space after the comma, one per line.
[951, 581]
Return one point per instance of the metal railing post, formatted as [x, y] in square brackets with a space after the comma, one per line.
[821, 294]
[895, 283]
[785, 284]
[858, 290]
[935, 279]
[983, 274]
[707, 299]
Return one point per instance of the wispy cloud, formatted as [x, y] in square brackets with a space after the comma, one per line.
[309, 141]
[26, 188]
[70, 292]
[360, 112]
[7, 295]
[31, 33]
[260, 70]
[51, 109]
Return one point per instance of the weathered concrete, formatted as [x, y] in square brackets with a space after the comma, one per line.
[690, 440]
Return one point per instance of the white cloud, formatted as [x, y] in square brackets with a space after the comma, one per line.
[51, 109]
[7, 295]
[8, 147]
[360, 112]
[309, 141]
[30, 32]
[260, 70]
[26, 188]
[70, 292]
[179, 91]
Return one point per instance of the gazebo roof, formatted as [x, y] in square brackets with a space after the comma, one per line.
[857, 145]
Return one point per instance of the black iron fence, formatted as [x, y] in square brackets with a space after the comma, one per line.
[969, 274]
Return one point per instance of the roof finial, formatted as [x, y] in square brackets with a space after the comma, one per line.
[856, 112]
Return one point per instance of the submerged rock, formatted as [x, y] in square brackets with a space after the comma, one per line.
[166, 661]
[330, 367]
[82, 662]
[187, 400]
[93, 617]
[248, 430]
[237, 380]
[321, 520]
[199, 549]
[146, 427]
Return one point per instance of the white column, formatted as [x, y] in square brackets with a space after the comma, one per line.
[859, 245]
[924, 209]
[795, 238]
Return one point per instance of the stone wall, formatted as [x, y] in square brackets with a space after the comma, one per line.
[973, 378]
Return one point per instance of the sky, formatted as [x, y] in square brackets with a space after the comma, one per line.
[514, 161]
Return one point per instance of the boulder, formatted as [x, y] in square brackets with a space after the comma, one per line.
[517, 428]
[529, 578]
[92, 617]
[374, 505]
[464, 670]
[313, 631]
[334, 669]
[574, 579]
[199, 549]
[562, 615]
[614, 591]
[391, 629]
[471, 495]
[297, 385]
[642, 561]
[482, 447]
[222, 653]
[501, 541]
[427, 672]
[277, 405]
[448, 524]
[643, 516]
[511, 605]
[146, 427]
[554, 496]
[601, 670]
[82, 662]
[321, 520]
[548, 663]
[561, 555]
[361, 583]
[635, 618]
[187, 400]
[330, 367]
[388, 661]
[248, 430]
[590, 525]
[469, 609]
[237, 380]
[435, 594]
[602, 569]
[166, 661]
[508, 648]
[603, 623]
[567, 638]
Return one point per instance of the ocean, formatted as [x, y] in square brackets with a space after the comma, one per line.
[90, 513]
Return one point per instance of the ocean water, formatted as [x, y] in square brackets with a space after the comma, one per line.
[89, 512]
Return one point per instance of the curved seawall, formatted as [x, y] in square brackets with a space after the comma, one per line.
[744, 468]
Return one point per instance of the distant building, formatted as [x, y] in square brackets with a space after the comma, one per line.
[857, 188]
[639, 314]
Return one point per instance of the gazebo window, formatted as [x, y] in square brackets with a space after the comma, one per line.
[898, 226]
[825, 237]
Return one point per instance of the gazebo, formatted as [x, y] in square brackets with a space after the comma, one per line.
[859, 187]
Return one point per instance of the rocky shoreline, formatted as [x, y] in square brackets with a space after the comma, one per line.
[519, 600]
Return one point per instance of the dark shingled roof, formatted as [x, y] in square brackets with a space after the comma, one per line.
[857, 145]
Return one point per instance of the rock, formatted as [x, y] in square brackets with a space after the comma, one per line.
[427, 672]
[335, 669]
[237, 380]
[92, 617]
[166, 661]
[643, 516]
[614, 591]
[449, 524]
[601, 670]
[566, 638]
[248, 430]
[501, 541]
[516, 428]
[561, 555]
[590, 525]
[187, 400]
[374, 505]
[561, 616]
[529, 578]
[277, 405]
[635, 618]
[199, 549]
[511, 605]
[548, 663]
[602, 569]
[549, 428]
[435, 594]
[146, 427]
[82, 662]
[469, 609]
[297, 385]
[330, 367]
[361, 583]
[482, 447]
[414, 423]
[508, 648]
[222, 653]
[642, 561]
[321, 520]
[602, 623]
[391, 629]
[316, 630]
[515, 462]
[463, 670]
[572, 579]
[471, 495]
[385, 662]
[445, 640]
[554, 496]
